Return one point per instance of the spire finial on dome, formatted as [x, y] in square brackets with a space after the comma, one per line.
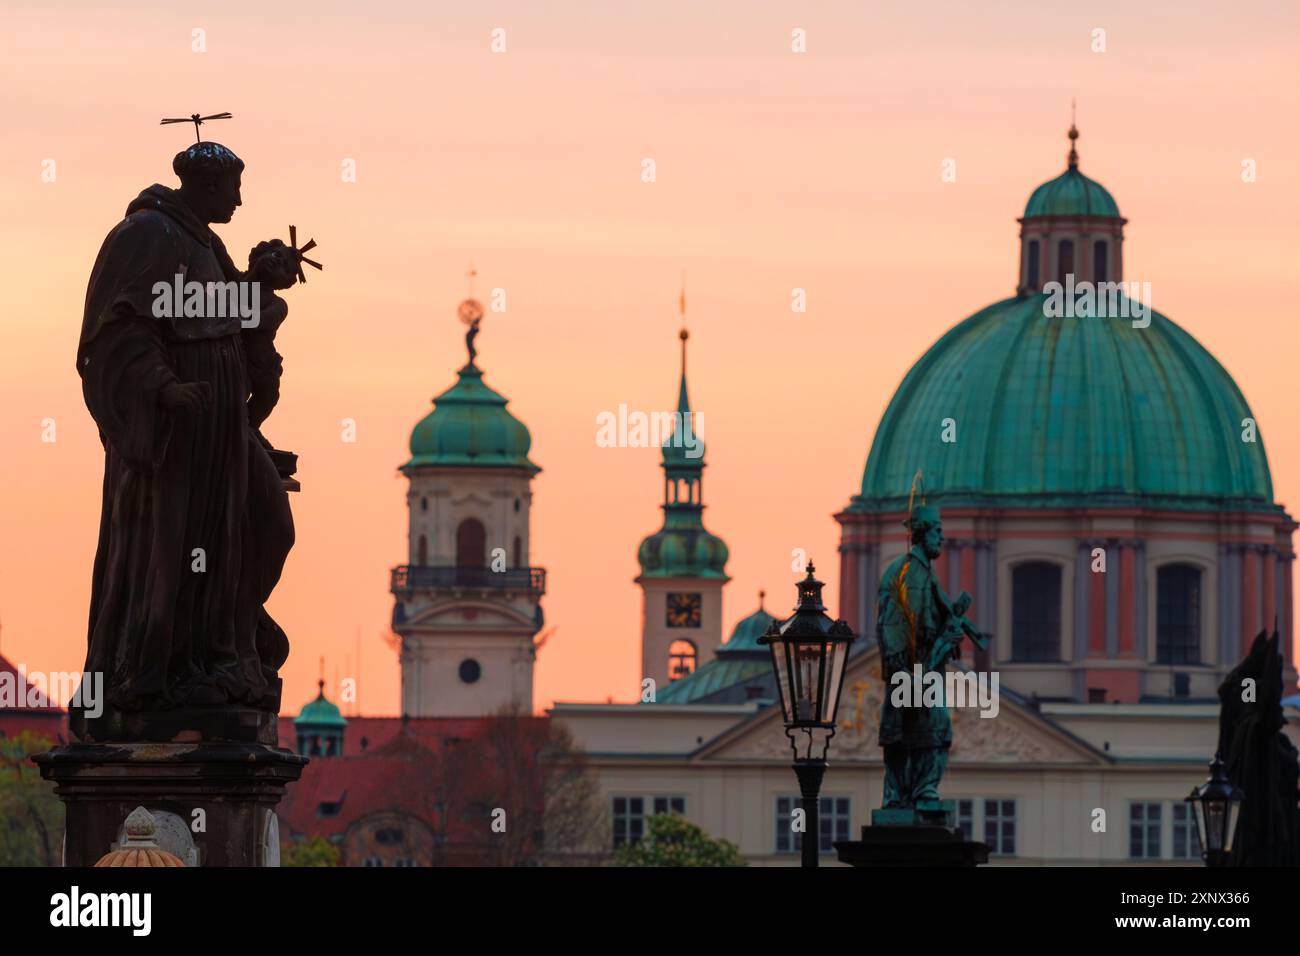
[1074, 135]
[761, 594]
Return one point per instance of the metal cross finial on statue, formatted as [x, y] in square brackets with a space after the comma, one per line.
[197, 120]
[311, 244]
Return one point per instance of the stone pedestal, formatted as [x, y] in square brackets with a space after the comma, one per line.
[216, 775]
[923, 835]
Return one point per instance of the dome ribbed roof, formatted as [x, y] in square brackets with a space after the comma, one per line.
[1067, 411]
[320, 713]
[469, 426]
[1071, 194]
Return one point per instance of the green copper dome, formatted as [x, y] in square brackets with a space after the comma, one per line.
[1071, 194]
[745, 635]
[1067, 412]
[320, 713]
[469, 426]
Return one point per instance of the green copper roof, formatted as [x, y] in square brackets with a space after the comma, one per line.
[469, 426]
[320, 713]
[745, 635]
[1067, 412]
[1071, 194]
[714, 678]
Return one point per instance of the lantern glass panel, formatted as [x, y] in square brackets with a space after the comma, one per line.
[810, 680]
[781, 665]
[838, 653]
[1215, 817]
[1234, 807]
[1198, 814]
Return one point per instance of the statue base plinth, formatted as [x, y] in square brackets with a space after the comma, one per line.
[926, 813]
[184, 725]
[236, 786]
[911, 845]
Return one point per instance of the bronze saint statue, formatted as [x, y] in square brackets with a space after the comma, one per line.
[195, 525]
[917, 623]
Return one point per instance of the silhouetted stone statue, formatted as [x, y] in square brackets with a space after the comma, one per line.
[1260, 759]
[196, 525]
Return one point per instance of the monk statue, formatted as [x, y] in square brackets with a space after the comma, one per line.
[917, 623]
[195, 524]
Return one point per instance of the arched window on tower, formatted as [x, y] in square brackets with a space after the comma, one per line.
[519, 552]
[1099, 261]
[1033, 264]
[1178, 614]
[1036, 612]
[681, 660]
[471, 551]
[422, 551]
[1064, 259]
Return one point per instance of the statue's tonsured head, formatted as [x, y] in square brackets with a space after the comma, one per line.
[210, 179]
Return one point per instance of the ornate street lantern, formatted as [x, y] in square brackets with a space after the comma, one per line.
[1216, 805]
[809, 653]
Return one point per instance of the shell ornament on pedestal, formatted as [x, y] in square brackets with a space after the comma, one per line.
[138, 847]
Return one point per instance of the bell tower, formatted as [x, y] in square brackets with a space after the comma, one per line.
[683, 566]
[467, 602]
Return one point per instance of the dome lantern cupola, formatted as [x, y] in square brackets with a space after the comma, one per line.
[1071, 227]
[320, 727]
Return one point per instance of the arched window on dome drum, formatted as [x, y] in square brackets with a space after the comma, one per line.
[1033, 264]
[681, 660]
[1099, 261]
[1036, 612]
[1064, 259]
[1178, 614]
[471, 552]
[422, 551]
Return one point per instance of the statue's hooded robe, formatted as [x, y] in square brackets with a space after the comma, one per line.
[195, 525]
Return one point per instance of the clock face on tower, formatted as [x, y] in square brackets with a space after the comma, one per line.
[683, 610]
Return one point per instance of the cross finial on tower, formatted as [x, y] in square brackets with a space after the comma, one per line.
[1074, 135]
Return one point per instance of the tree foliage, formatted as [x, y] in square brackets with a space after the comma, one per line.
[313, 851]
[673, 841]
[31, 816]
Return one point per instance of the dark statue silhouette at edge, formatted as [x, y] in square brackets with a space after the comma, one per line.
[1261, 760]
[196, 525]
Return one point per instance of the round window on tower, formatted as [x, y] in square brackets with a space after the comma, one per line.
[470, 671]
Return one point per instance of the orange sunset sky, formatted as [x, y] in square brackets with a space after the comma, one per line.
[775, 170]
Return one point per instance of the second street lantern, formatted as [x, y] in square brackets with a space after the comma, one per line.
[809, 653]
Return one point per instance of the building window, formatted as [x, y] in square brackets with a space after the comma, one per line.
[422, 552]
[470, 671]
[424, 504]
[681, 660]
[833, 821]
[519, 552]
[1036, 612]
[1000, 826]
[1144, 831]
[372, 861]
[404, 861]
[1064, 259]
[966, 819]
[1099, 261]
[1033, 264]
[1178, 614]
[471, 552]
[1187, 841]
[629, 815]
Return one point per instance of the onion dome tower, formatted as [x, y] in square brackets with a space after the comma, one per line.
[467, 600]
[683, 566]
[320, 727]
[1104, 487]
